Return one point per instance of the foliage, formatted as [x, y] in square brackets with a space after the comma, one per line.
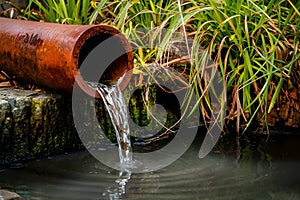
[66, 12]
[254, 44]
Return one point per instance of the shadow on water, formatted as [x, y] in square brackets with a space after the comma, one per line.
[261, 170]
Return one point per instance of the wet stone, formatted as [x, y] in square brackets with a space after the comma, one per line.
[8, 195]
[35, 124]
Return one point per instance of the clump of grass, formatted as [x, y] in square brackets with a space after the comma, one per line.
[65, 12]
[255, 45]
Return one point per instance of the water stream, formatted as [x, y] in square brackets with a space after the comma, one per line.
[116, 107]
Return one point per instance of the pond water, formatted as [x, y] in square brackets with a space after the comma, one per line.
[263, 170]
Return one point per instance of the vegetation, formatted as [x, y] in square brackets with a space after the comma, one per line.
[254, 44]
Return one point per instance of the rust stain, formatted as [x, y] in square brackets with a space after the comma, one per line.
[49, 54]
[31, 39]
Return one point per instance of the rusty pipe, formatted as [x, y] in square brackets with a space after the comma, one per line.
[50, 54]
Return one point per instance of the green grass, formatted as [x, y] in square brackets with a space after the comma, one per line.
[250, 45]
[65, 12]
[254, 44]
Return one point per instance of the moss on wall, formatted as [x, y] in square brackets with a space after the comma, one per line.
[35, 124]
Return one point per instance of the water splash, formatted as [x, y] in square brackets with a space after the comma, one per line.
[115, 192]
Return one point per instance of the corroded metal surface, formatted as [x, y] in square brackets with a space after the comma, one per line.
[50, 54]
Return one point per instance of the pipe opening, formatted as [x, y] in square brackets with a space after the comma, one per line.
[104, 58]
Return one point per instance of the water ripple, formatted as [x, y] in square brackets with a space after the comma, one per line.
[80, 176]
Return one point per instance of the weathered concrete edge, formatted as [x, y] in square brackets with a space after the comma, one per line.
[35, 124]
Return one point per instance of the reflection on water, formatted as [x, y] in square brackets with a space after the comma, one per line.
[264, 171]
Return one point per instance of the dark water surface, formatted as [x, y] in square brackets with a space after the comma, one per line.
[264, 170]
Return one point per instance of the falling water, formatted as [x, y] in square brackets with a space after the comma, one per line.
[117, 109]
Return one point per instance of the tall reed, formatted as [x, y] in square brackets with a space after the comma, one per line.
[254, 44]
